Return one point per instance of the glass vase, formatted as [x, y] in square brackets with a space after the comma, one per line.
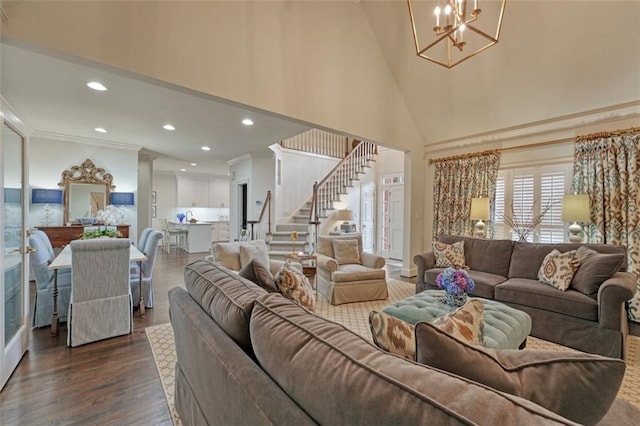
[455, 299]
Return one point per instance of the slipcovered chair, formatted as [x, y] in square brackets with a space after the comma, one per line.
[100, 305]
[150, 248]
[346, 274]
[39, 262]
[141, 242]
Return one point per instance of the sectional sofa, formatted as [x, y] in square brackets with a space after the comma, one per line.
[245, 356]
[507, 271]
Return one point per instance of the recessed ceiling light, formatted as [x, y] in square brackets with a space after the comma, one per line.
[193, 164]
[100, 130]
[205, 148]
[168, 127]
[183, 170]
[95, 85]
[247, 122]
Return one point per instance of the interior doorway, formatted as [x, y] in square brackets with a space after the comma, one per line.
[392, 217]
[242, 208]
[368, 217]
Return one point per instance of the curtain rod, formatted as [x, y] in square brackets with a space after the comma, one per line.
[539, 144]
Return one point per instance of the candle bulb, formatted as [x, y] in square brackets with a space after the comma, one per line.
[475, 4]
[437, 13]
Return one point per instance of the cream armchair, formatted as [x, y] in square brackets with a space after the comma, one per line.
[346, 274]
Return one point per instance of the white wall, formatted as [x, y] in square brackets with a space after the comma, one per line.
[165, 186]
[48, 158]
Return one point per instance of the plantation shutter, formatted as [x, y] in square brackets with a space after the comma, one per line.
[552, 188]
[499, 227]
[523, 196]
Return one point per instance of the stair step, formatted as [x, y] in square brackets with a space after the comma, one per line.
[286, 236]
[288, 227]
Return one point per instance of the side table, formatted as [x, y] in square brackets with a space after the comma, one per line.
[308, 262]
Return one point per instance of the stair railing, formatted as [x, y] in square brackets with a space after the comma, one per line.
[318, 141]
[337, 180]
[266, 205]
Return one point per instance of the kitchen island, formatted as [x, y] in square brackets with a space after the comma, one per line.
[198, 235]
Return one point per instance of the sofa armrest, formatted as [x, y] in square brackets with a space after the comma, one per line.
[424, 262]
[275, 265]
[371, 260]
[611, 297]
[327, 263]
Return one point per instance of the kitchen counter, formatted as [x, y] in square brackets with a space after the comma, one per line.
[198, 235]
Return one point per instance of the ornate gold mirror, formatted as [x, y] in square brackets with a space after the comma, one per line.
[87, 189]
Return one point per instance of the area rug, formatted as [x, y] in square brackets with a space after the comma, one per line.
[355, 316]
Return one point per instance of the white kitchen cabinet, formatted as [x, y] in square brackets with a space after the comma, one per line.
[220, 231]
[192, 192]
[218, 193]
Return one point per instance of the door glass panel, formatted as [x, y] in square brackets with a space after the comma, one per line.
[12, 212]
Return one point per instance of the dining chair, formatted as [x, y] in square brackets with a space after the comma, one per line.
[39, 263]
[149, 249]
[140, 245]
[101, 304]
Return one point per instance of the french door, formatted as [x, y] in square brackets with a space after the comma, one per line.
[14, 297]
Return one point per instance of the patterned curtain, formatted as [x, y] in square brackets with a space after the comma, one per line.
[608, 169]
[458, 180]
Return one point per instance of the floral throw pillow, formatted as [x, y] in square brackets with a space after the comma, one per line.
[294, 285]
[465, 323]
[557, 269]
[449, 255]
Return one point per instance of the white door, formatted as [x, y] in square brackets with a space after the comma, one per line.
[14, 297]
[396, 221]
[368, 217]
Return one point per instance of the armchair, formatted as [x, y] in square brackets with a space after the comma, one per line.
[39, 262]
[100, 305]
[149, 246]
[346, 274]
[228, 254]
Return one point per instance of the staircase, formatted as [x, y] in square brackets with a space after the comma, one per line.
[325, 193]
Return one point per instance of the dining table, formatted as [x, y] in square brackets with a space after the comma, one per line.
[63, 260]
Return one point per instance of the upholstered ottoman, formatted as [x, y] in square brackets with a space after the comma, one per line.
[504, 327]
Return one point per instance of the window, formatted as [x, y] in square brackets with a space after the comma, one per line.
[524, 193]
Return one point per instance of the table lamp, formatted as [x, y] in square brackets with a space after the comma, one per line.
[345, 215]
[575, 208]
[480, 211]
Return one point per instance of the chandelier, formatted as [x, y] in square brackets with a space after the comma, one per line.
[455, 30]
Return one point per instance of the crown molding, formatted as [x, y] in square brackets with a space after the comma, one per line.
[85, 140]
[558, 127]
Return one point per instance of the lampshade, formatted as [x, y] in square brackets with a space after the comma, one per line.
[480, 209]
[46, 196]
[345, 215]
[575, 208]
[12, 195]
[122, 198]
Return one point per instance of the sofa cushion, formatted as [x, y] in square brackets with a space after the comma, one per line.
[397, 336]
[227, 255]
[346, 252]
[557, 269]
[349, 273]
[535, 294]
[449, 255]
[294, 285]
[250, 250]
[259, 273]
[575, 385]
[225, 296]
[327, 369]
[485, 282]
[595, 268]
[476, 250]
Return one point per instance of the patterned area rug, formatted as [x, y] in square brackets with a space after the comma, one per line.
[355, 316]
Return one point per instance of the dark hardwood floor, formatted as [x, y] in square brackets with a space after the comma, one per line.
[113, 381]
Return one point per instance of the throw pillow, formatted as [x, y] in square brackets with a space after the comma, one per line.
[595, 268]
[346, 252]
[396, 336]
[254, 250]
[449, 254]
[259, 273]
[557, 269]
[578, 386]
[392, 334]
[293, 284]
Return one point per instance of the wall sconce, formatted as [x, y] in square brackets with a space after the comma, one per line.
[46, 197]
[345, 215]
[480, 211]
[576, 208]
[122, 199]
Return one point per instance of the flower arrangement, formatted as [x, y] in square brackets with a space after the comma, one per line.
[101, 233]
[456, 283]
[111, 215]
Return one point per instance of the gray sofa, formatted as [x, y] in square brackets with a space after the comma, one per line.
[248, 357]
[506, 271]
